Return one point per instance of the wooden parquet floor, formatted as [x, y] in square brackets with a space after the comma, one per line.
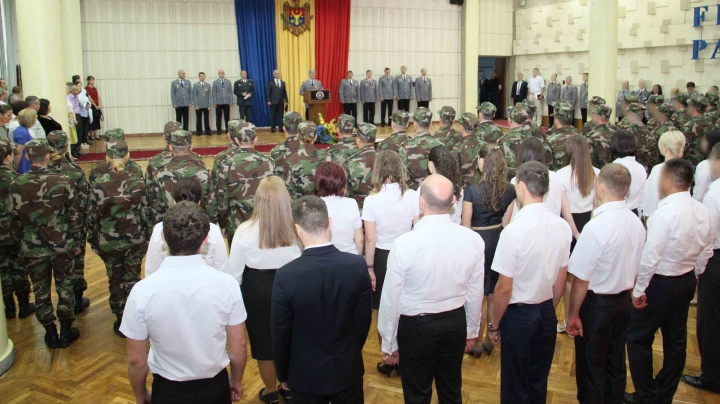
[93, 370]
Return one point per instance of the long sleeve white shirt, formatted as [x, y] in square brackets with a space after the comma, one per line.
[213, 252]
[712, 203]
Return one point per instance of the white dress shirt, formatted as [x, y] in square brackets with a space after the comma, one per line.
[184, 309]
[536, 85]
[456, 214]
[552, 198]
[436, 268]
[531, 251]
[712, 203]
[577, 202]
[607, 254]
[637, 184]
[679, 238]
[345, 216]
[702, 180]
[392, 214]
[652, 195]
[245, 251]
[213, 252]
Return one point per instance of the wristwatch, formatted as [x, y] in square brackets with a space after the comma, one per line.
[490, 329]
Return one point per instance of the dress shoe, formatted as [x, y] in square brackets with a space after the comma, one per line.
[272, 398]
[629, 398]
[700, 382]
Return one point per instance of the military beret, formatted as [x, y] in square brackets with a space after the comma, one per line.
[423, 116]
[656, 99]
[712, 98]
[595, 100]
[630, 98]
[636, 108]
[307, 130]
[602, 110]
[469, 121]
[57, 139]
[346, 123]
[528, 105]
[699, 102]
[682, 99]
[518, 114]
[6, 148]
[447, 114]
[233, 126]
[116, 133]
[37, 147]
[117, 149]
[181, 138]
[367, 132]
[487, 109]
[291, 120]
[563, 109]
[400, 117]
[666, 109]
[246, 133]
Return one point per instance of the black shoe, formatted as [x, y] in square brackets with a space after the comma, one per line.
[286, 394]
[198, 133]
[89, 143]
[116, 325]
[700, 382]
[208, 133]
[272, 130]
[629, 398]
[385, 369]
[272, 398]
[51, 336]
[10, 308]
[26, 308]
[68, 334]
[81, 303]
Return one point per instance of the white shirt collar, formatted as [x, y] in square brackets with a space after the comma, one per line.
[532, 208]
[626, 158]
[674, 197]
[183, 261]
[610, 206]
[319, 245]
[433, 220]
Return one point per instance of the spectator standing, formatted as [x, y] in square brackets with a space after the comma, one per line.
[95, 108]
[346, 225]
[22, 135]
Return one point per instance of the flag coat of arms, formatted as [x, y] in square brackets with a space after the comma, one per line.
[295, 18]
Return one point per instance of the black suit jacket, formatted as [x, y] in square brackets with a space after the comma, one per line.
[275, 94]
[249, 88]
[321, 317]
[523, 91]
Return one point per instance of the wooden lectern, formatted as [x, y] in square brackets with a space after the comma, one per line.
[317, 100]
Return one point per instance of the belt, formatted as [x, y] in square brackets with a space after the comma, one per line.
[497, 226]
[688, 273]
[514, 305]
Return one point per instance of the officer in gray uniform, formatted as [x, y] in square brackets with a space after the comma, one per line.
[349, 94]
[387, 94]
[404, 90]
[553, 95]
[181, 98]
[369, 95]
[569, 93]
[310, 84]
[222, 96]
[423, 90]
[583, 97]
[201, 100]
[244, 90]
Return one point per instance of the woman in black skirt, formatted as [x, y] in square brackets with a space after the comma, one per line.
[260, 246]
[484, 205]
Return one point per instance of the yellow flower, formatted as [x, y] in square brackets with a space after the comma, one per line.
[320, 118]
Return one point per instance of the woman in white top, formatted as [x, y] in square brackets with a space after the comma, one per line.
[260, 246]
[389, 211]
[623, 148]
[346, 232]
[702, 171]
[443, 162]
[671, 145]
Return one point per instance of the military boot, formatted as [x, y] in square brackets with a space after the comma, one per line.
[9, 307]
[116, 325]
[68, 334]
[51, 335]
[81, 303]
[26, 308]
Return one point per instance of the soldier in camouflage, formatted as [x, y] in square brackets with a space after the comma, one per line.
[346, 147]
[486, 130]
[510, 143]
[399, 122]
[561, 131]
[46, 218]
[59, 163]
[119, 226]
[601, 134]
[359, 166]
[161, 159]
[712, 112]
[652, 103]
[291, 121]
[13, 271]
[662, 121]
[102, 167]
[647, 144]
[529, 127]
[696, 127]
[589, 125]
[447, 135]
[238, 179]
[468, 148]
[680, 118]
[628, 99]
[233, 129]
[299, 170]
[414, 152]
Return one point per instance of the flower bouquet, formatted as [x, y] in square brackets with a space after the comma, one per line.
[326, 131]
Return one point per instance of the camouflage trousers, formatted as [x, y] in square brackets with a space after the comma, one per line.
[123, 272]
[42, 271]
[13, 271]
[79, 271]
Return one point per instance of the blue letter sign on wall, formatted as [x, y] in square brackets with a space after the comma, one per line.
[701, 44]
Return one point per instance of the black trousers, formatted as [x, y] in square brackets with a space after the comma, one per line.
[708, 320]
[182, 114]
[350, 108]
[206, 391]
[551, 109]
[202, 115]
[432, 347]
[495, 100]
[668, 299]
[583, 113]
[423, 104]
[84, 125]
[351, 395]
[528, 333]
[245, 112]
[369, 112]
[276, 114]
[404, 105]
[222, 111]
[600, 353]
[386, 106]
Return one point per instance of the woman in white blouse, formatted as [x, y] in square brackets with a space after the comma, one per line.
[389, 211]
[702, 172]
[260, 246]
[671, 145]
[346, 232]
[623, 148]
[442, 161]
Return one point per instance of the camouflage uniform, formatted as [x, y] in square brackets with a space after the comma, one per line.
[629, 98]
[102, 167]
[359, 166]
[467, 150]
[695, 129]
[291, 121]
[712, 114]
[447, 135]
[119, 227]
[237, 182]
[601, 136]
[234, 126]
[299, 170]
[529, 126]
[510, 143]
[46, 216]
[161, 159]
[589, 126]
[395, 140]
[559, 136]
[486, 130]
[647, 144]
[414, 152]
[654, 100]
[680, 117]
[659, 128]
[339, 152]
[181, 166]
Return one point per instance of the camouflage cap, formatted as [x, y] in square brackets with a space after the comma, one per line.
[233, 126]
[666, 109]
[712, 98]
[699, 102]
[37, 147]
[563, 109]
[181, 138]
[469, 121]
[636, 108]
[682, 99]
[630, 98]
[291, 121]
[116, 133]
[246, 133]
[117, 149]
[597, 101]
[346, 123]
[517, 114]
[528, 105]
[307, 130]
[57, 139]
[423, 117]
[487, 109]
[171, 127]
[367, 132]
[400, 117]
[601, 109]
[6, 148]
[656, 99]
[447, 114]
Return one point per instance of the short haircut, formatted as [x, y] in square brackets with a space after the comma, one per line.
[17, 90]
[715, 152]
[44, 106]
[531, 149]
[37, 159]
[181, 149]
[368, 71]
[535, 177]
[433, 200]
[311, 214]
[203, 73]
[4, 108]
[32, 100]
[565, 120]
[349, 71]
[680, 171]
[75, 77]
[18, 106]
[387, 68]
[715, 87]
[330, 179]
[27, 117]
[185, 227]
[623, 144]
[616, 178]
[690, 84]
[187, 190]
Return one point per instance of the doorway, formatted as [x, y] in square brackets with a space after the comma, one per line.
[488, 90]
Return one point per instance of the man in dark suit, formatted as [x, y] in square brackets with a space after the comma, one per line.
[482, 88]
[245, 92]
[494, 87]
[276, 98]
[519, 94]
[321, 314]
